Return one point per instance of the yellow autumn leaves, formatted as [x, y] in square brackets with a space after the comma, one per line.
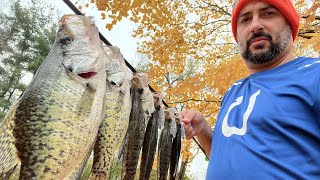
[190, 42]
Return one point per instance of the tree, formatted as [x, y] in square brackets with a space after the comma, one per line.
[194, 57]
[27, 34]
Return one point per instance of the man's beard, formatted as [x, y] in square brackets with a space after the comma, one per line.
[268, 55]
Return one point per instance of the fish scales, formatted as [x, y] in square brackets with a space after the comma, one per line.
[8, 152]
[57, 118]
[149, 148]
[165, 143]
[151, 138]
[115, 124]
[164, 151]
[136, 117]
[140, 112]
[175, 152]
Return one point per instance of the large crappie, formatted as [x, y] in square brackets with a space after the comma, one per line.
[57, 118]
[8, 152]
[118, 106]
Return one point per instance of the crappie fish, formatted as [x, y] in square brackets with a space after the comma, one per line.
[142, 107]
[58, 116]
[176, 148]
[118, 106]
[168, 133]
[151, 138]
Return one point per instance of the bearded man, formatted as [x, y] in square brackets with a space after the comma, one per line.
[268, 126]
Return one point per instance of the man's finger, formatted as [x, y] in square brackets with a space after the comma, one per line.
[187, 116]
[191, 135]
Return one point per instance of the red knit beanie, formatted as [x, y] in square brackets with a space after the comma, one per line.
[284, 6]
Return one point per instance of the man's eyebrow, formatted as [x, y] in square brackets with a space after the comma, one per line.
[267, 8]
[261, 9]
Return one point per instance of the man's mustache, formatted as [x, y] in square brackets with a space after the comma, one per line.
[259, 34]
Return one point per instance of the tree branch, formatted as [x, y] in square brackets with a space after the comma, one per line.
[218, 7]
[305, 17]
[196, 100]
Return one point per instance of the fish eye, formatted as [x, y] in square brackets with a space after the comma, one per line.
[70, 68]
[66, 40]
[140, 90]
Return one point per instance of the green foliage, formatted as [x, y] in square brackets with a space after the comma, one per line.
[27, 35]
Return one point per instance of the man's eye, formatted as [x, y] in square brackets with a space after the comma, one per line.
[268, 13]
[244, 20]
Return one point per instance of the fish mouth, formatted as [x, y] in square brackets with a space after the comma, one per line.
[83, 74]
[87, 75]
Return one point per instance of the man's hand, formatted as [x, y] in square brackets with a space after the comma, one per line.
[193, 123]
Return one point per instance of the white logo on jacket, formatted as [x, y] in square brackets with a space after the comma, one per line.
[229, 131]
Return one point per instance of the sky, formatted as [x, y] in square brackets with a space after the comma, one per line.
[119, 36]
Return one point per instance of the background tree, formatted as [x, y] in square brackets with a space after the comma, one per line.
[27, 34]
[194, 57]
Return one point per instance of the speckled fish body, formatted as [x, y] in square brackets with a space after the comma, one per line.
[176, 148]
[142, 107]
[151, 138]
[165, 143]
[8, 152]
[118, 106]
[58, 116]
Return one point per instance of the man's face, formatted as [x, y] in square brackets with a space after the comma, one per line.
[263, 33]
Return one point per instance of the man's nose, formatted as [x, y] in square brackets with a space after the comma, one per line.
[256, 25]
